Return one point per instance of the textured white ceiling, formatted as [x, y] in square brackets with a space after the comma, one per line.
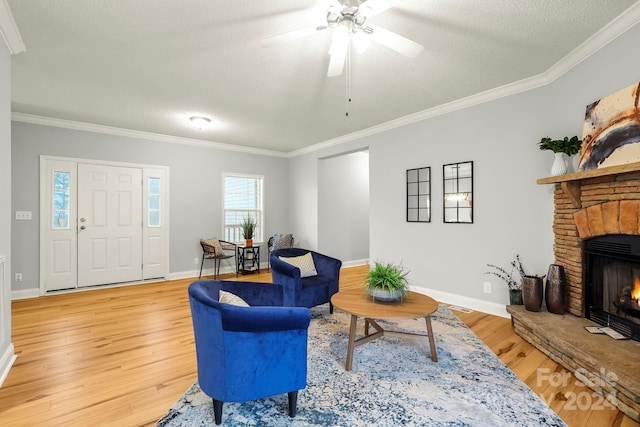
[147, 65]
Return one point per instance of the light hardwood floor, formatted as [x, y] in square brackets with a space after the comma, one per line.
[122, 356]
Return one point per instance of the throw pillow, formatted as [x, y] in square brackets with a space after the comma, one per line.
[233, 299]
[281, 241]
[304, 263]
[215, 244]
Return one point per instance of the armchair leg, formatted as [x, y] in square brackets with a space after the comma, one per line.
[293, 403]
[330, 307]
[217, 411]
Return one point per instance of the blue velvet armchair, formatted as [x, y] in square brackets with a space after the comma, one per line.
[306, 291]
[248, 353]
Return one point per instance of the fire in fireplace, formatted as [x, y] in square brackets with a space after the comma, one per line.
[612, 283]
[627, 298]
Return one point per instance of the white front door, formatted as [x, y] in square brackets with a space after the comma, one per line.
[109, 224]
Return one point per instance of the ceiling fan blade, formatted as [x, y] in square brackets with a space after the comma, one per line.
[338, 52]
[395, 41]
[289, 36]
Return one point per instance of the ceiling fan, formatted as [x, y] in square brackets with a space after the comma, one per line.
[348, 20]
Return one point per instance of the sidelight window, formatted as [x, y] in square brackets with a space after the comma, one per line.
[61, 200]
[153, 202]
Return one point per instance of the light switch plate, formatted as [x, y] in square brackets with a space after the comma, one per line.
[23, 215]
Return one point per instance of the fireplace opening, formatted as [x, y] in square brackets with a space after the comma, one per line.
[612, 283]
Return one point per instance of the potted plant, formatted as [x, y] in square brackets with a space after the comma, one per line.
[248, 227]
[386, 282]
[568, 146]
[513, 279]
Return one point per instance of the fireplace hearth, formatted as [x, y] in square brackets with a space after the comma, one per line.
[612, 283]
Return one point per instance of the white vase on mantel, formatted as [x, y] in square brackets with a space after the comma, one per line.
[559, 166]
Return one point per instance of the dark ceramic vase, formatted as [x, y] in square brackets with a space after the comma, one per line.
[555, 291]
[532, 292]
[515, 296]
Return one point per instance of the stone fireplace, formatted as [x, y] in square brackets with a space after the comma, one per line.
[596, 230]
[587, 208]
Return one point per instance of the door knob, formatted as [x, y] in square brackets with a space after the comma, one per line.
[82, 220]
[82, 227]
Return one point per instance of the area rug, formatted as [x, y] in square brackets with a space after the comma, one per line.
[393, 382]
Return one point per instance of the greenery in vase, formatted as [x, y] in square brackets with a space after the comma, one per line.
[387, 276]
[510, 277]
[568, 146]
[248, 227]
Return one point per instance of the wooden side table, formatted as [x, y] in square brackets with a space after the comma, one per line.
[358, 303]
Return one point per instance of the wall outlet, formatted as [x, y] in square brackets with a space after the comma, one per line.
[196, 260]
[487, 287]
[18, 277]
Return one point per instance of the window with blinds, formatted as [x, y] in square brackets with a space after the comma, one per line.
[242, 199]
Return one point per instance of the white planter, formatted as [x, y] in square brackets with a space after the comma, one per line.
[559, 166]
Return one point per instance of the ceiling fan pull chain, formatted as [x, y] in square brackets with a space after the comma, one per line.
[348, 77]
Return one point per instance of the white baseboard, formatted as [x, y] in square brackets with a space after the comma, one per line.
[6, 361]
[25, 293]
[193, 274]
[355, 263]
[472, 303]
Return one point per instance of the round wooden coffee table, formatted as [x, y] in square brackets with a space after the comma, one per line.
[358, 303]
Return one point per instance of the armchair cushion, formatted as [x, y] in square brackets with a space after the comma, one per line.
[233, 299]
[304, 263]
[212, 246]
[281, 241]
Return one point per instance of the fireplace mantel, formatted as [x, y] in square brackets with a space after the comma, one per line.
[570, 182]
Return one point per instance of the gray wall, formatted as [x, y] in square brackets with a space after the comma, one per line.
[343, 208]
[195, 187]
[512, 214]
[6, 348]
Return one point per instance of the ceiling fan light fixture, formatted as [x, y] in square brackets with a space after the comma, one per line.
[200, 121]
[340, 34]
[361, 42]
[359, 20]
[334, 18]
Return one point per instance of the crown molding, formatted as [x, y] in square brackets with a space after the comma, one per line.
[109, 130]
[460, 104]
[610, 32]
[607, 34]
[9, 30]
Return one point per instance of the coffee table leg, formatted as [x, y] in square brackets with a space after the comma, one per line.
[432, 343]
[352, 339]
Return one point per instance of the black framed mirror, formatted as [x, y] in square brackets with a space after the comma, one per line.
[419, 195]
[457, 181]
